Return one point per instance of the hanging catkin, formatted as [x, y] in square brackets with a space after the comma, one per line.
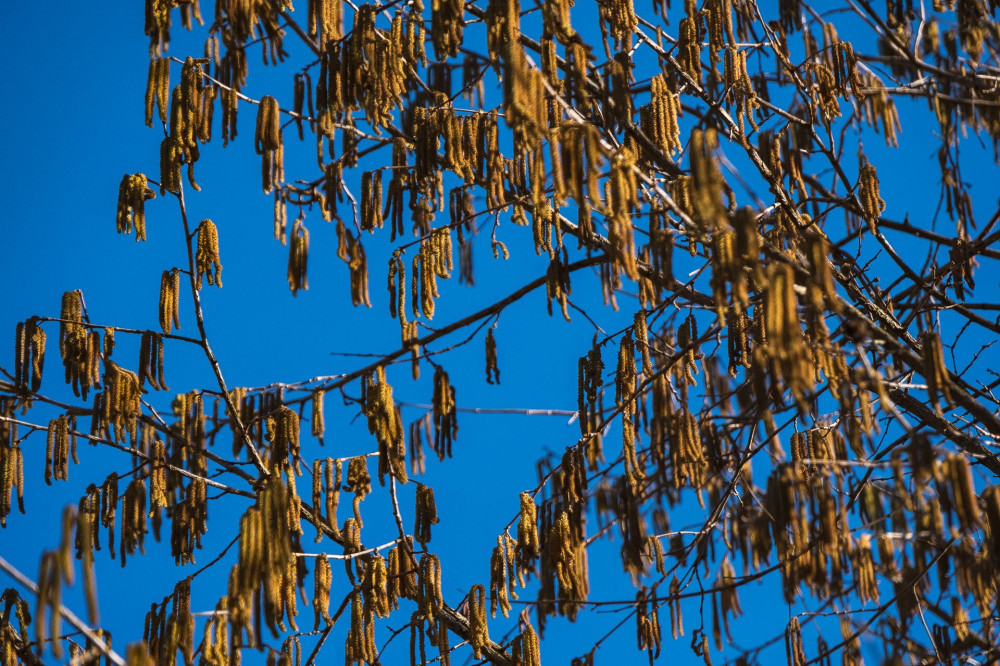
[207, 262]
[169, 305]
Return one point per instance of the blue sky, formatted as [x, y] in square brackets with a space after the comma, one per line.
[74, 76]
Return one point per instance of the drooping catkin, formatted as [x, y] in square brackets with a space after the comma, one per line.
[134, 517]
[426, 514]
[57, 449]
[268, 143]
[386, 423]
[360, 483]
[317, 422]
[935, 371]
[525, 650]
[872, 204]
[170, 291]
[647, 622]
[492, 369]
[29, 356]
[207, 262]
[151, 361]
[79, 348]
[479, 634]
[157, 89]
[793, 644]
[402, 573]
[322, 577]
[119, 404]
[447, 25]
[298, 256]
[445, 416]
[133, 192]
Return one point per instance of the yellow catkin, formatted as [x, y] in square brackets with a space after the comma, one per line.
[872, 204]
[268, 143]
[479, 634]
[492, 370]
[207, 262]
[169, 305]
[322, 577]
[133, 192]
[157, 89]
[426, 514]
[935, 371]
[29, 355]
[298, 256]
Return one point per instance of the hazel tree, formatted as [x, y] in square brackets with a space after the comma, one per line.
[773, 399]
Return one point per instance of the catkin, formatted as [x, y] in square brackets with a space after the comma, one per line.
[298, 256]
[133, 192]
[57, 449]
[426, 514]
[207, 262]
[479, 634]
[157, 89]
[322, 577]
[29, 356]
[492, 370]
[170, 290]
[872, 204]
[268, 143]
[935, 371]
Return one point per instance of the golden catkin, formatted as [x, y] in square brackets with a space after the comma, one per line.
[676, 618]
[157, 89]
[268, 143]
[298, 257]
[170, 291]
[57, 449]
[326, 20]
[207, 262]
[991, 498]
[283, 435]
[479, 634]
[935, 371]
[503, 573]
[659, 119]
[133, 192]
[371, 200]
[621, 21]
[11, 466]
[525, 650]
[119, 404]
[527, 546]
[322, 577]
[332, 473]
[317, 422]
[157, 477]
[79, 348]
[151, 361]
[447, 25]
[426, 514]
[134, 517]
[402, 573]
[647, 623]
[360, 483]
[793, 644]
[872, 204]
[386, 423]
[492, 369]
[429, 599]
[444, 414]
[29, 356]
[373, 586]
